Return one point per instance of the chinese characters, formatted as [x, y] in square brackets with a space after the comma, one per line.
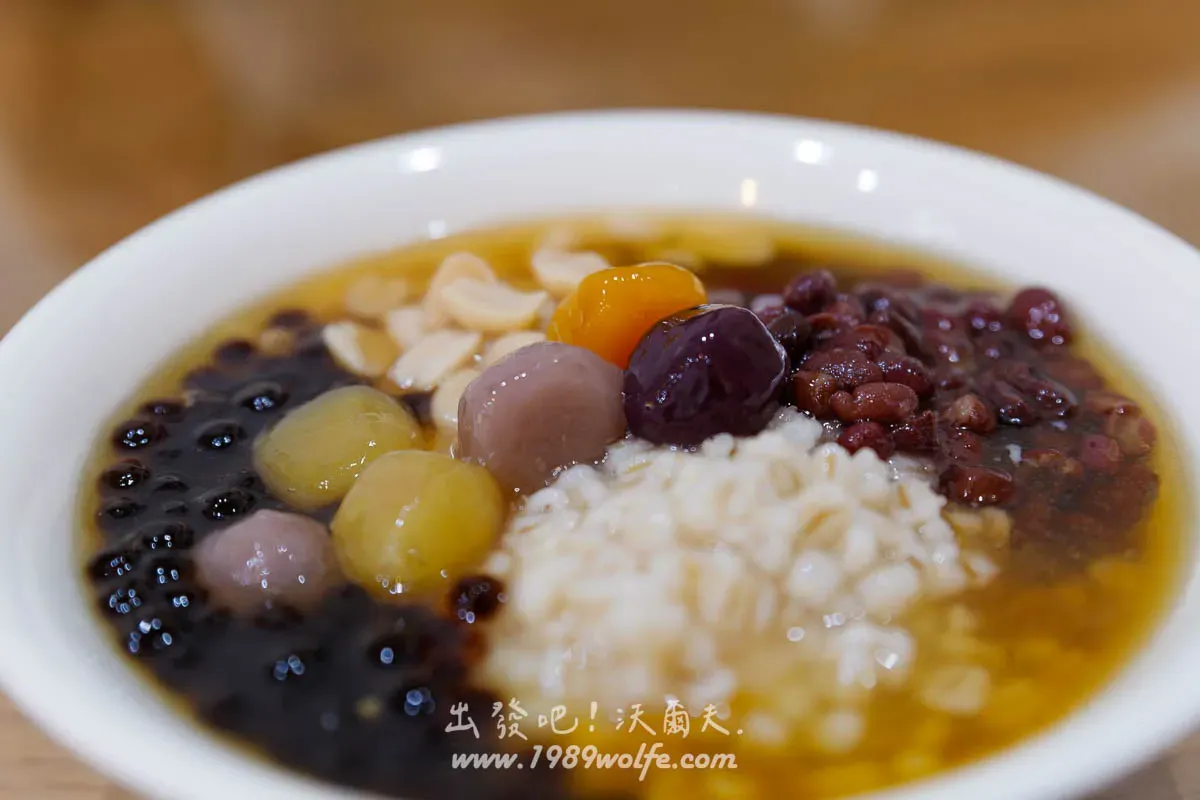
[675, 720]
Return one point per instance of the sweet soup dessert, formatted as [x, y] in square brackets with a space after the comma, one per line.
[635, 508]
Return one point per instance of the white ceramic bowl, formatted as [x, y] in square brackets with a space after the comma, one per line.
[81, 351]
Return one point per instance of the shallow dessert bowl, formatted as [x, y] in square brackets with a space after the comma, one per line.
[84, 349]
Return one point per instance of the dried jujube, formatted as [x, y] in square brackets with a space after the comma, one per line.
[713, 369]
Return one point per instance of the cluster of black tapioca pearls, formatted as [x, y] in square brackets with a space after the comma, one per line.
[353, 691]
[183, 467]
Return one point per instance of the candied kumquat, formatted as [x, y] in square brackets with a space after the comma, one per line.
[612, 309]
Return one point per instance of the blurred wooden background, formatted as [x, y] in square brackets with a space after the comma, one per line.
[113, 112]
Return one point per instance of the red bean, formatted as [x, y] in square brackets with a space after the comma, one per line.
[812, 390]
[883, 297]
[842, 403]
[971, 412]
[934, 319]
[908, 332]
[1053, 461]
[768, 307]
[1073, 371]
[1012, 407]
[825, 327]
[792, 330]
[1133, 433]
[938, 295]
[948, 347]
[1100, 453]
[872, 340]
[867, 434]
[993, 346]
[877, 402]
[1105, 403]
[978, 486]
[849, 307]
[961, 445]
[983, 317]
[1053, 398]
[1039, 313]
[907, 370]
[917, 434]
[811, 292]
[850, 367]
[949, 378]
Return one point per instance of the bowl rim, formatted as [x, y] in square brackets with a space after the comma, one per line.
[1172, 713]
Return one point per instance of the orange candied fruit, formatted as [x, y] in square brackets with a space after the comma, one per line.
[611, 310]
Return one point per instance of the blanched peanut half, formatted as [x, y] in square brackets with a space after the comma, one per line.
[729, 245]
[406, 326]
[371, 297]
[490, 307]
[634, 227]
[546, 312]
[560, 237]
[676, 255]
[510, 343]
[360, 349]
[559, 272]
[434, 357]
[454, 267]
[444, 405]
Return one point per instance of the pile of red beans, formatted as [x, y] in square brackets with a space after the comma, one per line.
[990, 391]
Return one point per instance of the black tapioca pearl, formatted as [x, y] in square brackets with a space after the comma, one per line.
[211, 380]
[117, 513]
[419, 403]
[171, 536]
[152, 636]
[138, 434]
[251, 481]
[415, 701]
[167, 573]
[184, 598]
[202, 403]
[228, 504]
[279, 618]
[221, 435]
[311, 346]
[124, 475]
[402, 650]
[347, 604]
[165, 410]
[169, 454]
[295, 664]
[122, 601]
[234, 352]
[175, 508]
[261, 397]
[168, 484]
[227, 712]
[115, 562]
[476, 598]
[290, 319]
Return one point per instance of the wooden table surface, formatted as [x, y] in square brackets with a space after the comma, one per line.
[113, 113]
